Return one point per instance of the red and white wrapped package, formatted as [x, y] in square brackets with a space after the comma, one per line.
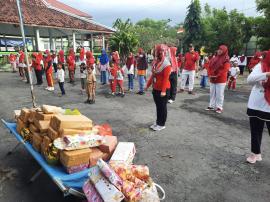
[124, 153]
[91, 193]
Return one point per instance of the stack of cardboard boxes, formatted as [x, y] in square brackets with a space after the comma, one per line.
[49, 123]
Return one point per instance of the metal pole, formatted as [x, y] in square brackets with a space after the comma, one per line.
[25, 51]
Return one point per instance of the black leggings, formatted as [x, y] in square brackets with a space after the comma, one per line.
[256, 128]
[161, 107]
[173, 90]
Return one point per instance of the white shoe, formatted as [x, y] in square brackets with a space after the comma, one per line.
[170, 101]
[254, 157]
[159, 128]
[47, 88]
[153, 126]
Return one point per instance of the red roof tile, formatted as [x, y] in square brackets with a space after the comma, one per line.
[36, 13]
[67, 8]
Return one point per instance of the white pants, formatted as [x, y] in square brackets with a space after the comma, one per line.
[217, 95]
[187, 74]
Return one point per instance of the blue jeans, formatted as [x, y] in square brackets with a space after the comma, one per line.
[130, 81]
[204, 80]
[103, 77]
[141, 79]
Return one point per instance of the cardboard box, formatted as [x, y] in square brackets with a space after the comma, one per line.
[67, 131]
[52, 134]
[49, 109]
[124, 153]
[25, 113]
[75, 158]
[43, 117]
[37, 140]
[110, 145]
[32, 116]
[20, 125]
[45, 144]
[71, 121]
[43, 126]
[33, 128]
[95, 155]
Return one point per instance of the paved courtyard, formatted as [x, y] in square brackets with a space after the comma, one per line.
[199, 157]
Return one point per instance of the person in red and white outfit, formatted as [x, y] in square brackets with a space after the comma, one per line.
[12, 61]
[191, 64]
[119, 73]
[61, 59]
[174, 74]
[22, 65]
[218, 70]
[233, 72]
[48, 70]
[113, 75]
[160, 82]
[259, 105]
[71, 65]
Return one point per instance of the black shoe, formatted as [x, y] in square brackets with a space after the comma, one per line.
[123, 95]
[90, 102]
[139, 93]
[191, 93]
[87, 101]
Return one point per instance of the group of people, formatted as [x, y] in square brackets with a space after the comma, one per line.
[220, 69]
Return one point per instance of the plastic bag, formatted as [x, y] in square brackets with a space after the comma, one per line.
[150, 194]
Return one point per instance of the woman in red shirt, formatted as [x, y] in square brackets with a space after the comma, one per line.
[12, 60]
[159, 79]
[218, 69]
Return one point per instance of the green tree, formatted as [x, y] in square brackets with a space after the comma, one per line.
[151, 32]
[193, 25]
[230, 28]
[124, 40]
[263, 24]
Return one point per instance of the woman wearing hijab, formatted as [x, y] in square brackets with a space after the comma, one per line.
[130, 71]
[104, 67]
[218, 70]
[160, 82]
[71, 66]
[48, 70]
[259, 105]
[254, 61]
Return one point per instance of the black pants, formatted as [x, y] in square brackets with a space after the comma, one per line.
[161, 107]
[55, 67]
[173, 90]
[39, 76]
[242, 68]
[256, 128]
[61, 85]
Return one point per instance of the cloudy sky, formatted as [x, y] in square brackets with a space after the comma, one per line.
[107, 11]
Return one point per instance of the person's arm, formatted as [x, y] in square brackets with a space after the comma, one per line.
[257, 75]
[150, 81]
[167, 72]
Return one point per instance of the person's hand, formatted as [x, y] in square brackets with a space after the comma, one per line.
[267, 74]
[145, 89]
[162, 94]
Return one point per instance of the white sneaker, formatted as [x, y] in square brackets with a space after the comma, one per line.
[254, 157]
[47, 88]
[159, 128]
[153, 126]
[170, 101]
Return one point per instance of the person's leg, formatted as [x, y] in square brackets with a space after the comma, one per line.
[129, 83]
[184, 77]
[256, 129]
[163, 109]
[201, 83]
[61, 84]
[142, 82]
[173, 89]
[212, 103]
[69, 74]
[191, 80]
[268, 126]
[156, 96]
[234, 84]
[220, 95]
[229, 83]
[40, 76]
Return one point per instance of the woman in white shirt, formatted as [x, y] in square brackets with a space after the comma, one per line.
[259, 105]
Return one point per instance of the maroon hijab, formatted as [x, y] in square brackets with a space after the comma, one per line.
[218, 61]
[130, 61]
[266, 68]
